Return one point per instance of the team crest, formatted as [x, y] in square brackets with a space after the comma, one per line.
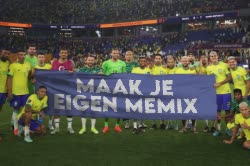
[238, 76]
[220, 71]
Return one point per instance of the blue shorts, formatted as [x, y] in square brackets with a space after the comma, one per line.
[18, 101]
[223, 102]
[34, 125]
[3, 97]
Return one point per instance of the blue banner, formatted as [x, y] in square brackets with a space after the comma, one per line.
[130, 96]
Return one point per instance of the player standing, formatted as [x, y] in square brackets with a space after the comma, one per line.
[223, 91]
[91, 69]
[17, 85]
[113, 65]
[63, 64]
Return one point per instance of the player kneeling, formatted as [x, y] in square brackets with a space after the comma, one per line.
[32, 114]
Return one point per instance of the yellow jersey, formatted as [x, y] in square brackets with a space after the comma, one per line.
[138, 70]
[239, 119]
[45, 67]
[181, 70]
[19, 73]
[203, 70]
[158, 70]
[220, 71]
[240, 76]
[4, 67]
[36, 105]
[171, 71]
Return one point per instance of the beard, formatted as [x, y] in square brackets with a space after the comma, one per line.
[4, 59]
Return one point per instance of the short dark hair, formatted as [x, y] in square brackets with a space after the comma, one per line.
[90, 55]
[237, 91]
[142, 57]
[31, 45]
[42, 87]
[158, 55]
[40, 53]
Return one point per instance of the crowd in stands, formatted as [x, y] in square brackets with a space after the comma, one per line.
[169, 43]
[102, 11]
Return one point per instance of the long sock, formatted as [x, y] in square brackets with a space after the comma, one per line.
[50, 121]
[26, 131]
[57, 122]
[206, 123]
[14, 118]
[193, 123]
[117, 122]
[184, 123]
[70, 122]
[106, 122]
[83, 122]
[218, 126]
[135, 124]
[162, 121]
[93, 122]
[154, 122]
[213, 123]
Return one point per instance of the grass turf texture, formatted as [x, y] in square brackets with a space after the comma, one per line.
[149, 148]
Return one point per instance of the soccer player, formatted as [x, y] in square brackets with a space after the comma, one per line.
[113, 65]
[240, 76]
[170, 65]
[242, 120]
[63, 64]
[17, 85]
[171, 69]
[91, 69]
[192, 63]
[4, 67]
[202, 70]
[33, 61]
[234, 107]
[44, 66]
[223, 91]
[31, 116]
[142, 69]
[130, 64]
[158, 69]
[186, 70]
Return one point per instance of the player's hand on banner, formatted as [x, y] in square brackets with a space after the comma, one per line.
[216, 85]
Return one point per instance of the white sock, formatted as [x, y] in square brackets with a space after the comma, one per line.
[69, 122]
[83, 122]
[135, 125]
[206, 122]
[93, 121]
[219, 127]
[14, 118]
[50, 122]
[57, 122]
[27, 131]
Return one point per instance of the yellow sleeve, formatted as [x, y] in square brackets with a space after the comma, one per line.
[30, 100]
[236, 121]
[11, 69]
[245, 74]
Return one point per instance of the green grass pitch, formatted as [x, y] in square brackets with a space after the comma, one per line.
[156, 148]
